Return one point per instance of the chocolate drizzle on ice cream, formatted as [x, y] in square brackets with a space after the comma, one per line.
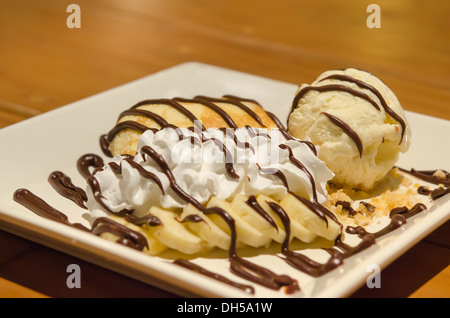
[357, 93]
[367, 114]
[376, 92]
[347, 129]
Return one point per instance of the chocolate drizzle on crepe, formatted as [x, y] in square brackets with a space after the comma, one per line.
[176, 103]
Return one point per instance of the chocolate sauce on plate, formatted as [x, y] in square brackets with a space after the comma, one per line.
[86, 162]
[64, 186]
[196, 268]
[126, 236]
[35, 204]
[434, 177]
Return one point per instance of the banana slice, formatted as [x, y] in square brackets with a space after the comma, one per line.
[206, 229]
[155, 247]
[258, 221]
[299, 212]
[298, 230]
[245, 232]
[255, 228]
[175, 235]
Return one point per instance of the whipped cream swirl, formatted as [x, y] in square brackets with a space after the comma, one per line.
[213, 162]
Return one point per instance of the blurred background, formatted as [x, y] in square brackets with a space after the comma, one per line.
[44, 64]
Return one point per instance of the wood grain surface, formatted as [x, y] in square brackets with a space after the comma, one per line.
[45, 65]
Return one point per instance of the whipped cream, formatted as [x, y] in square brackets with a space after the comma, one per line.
[214, 162]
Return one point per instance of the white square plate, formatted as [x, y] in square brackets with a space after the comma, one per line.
[34, 148]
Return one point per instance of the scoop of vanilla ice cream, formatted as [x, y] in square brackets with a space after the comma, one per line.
[357, 122]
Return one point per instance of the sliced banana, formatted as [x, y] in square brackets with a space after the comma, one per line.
[206, 229]
[251, 216]
[298, 230]
[299, 212]
[252, 227]
[155, 247]
[245, 232]
[175, 235]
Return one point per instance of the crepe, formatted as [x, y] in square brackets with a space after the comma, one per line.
[201, 112]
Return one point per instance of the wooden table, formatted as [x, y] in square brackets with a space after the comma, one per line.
[44, 65]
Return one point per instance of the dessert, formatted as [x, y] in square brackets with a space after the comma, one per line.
[198, 174]
[356, 120]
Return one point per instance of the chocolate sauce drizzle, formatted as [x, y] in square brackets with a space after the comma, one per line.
[333, 87]
[227, 158]
[149, 219]
[297, 260]
[346, 206]
[208, 103]
[338, 87]
[86, 162]
[434, 177]
[243, 145]
[31, 201]
[64, 186]
[235, 102]
[318, 209]
[439, 192]
[253, 203]
[117, 168]
[145, 113]
[239, 266]
[176, 103]
[126, 236]
[98, 196]
[429, 175]
[101, 225]
[104, 145]
[347, 129]
[362, 84]
[129, 124]
[397, 216]
[407, 213]
[434, 194]
[274, 172]
[300, 166]
[196, 268]
[369, 207]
